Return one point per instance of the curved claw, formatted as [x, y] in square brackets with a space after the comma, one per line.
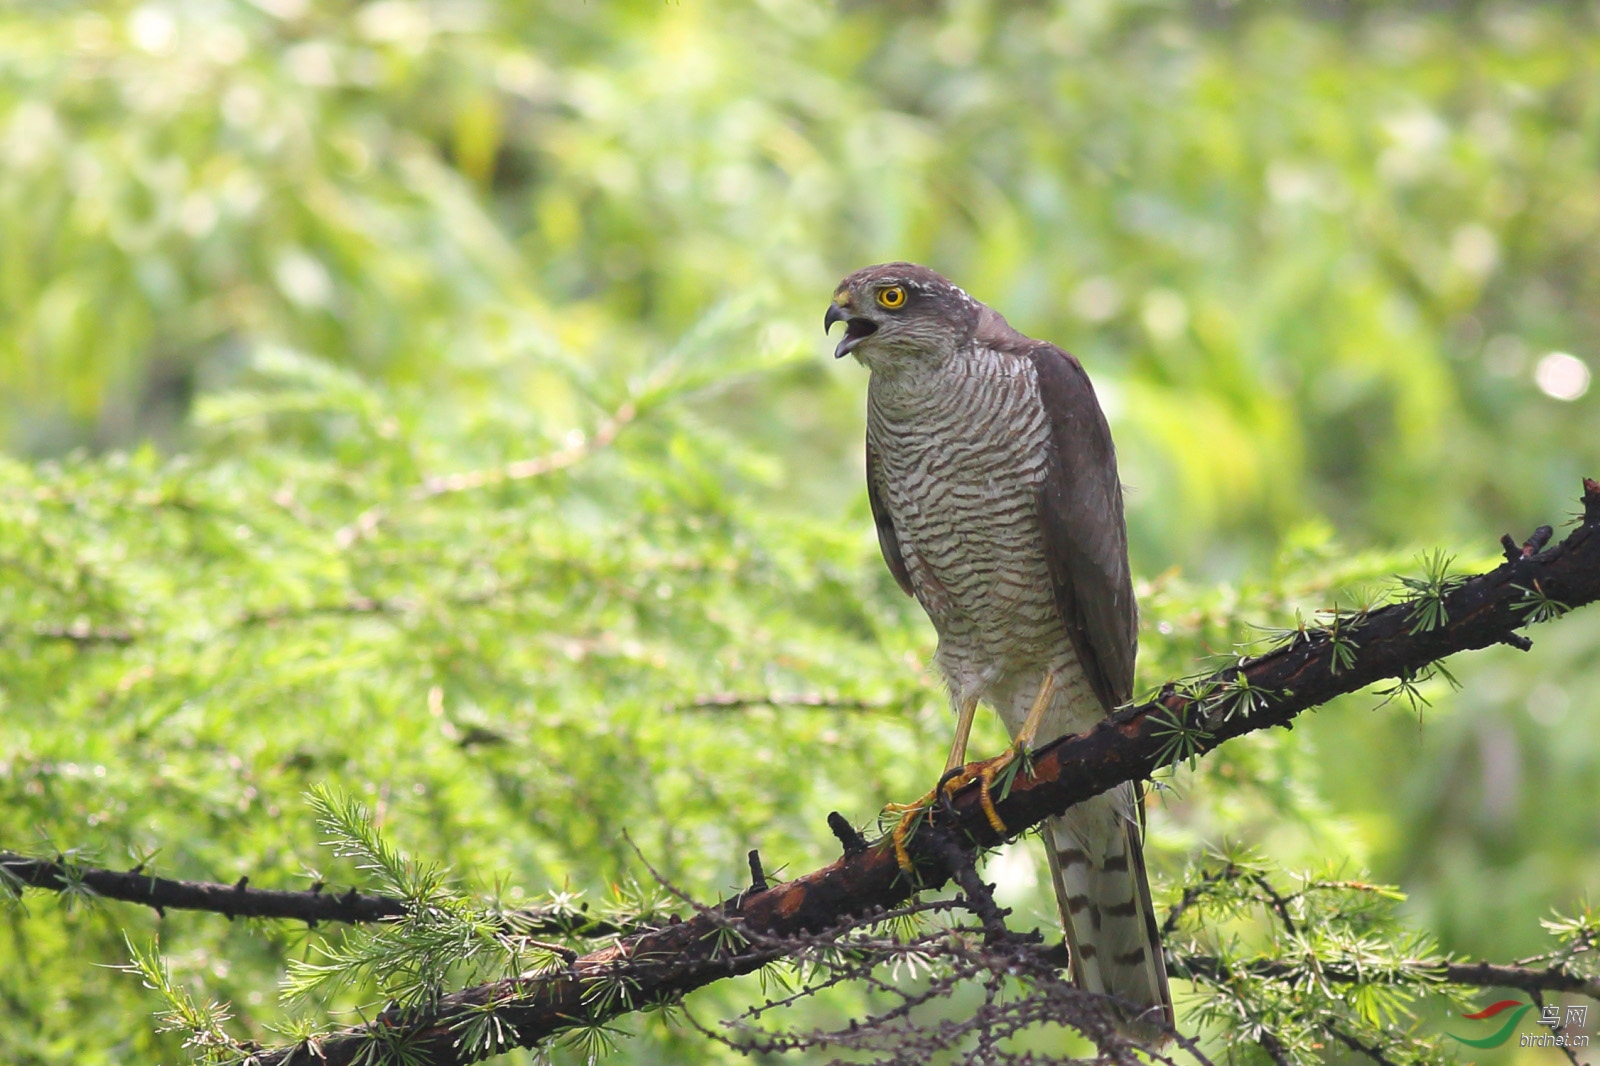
[984, 774]
[954, 780]
[902, 830]
[991, 770]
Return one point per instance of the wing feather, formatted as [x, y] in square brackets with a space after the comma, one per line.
[1085, 534]
[888, 543]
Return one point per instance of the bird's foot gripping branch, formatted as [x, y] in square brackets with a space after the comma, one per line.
[567, 988]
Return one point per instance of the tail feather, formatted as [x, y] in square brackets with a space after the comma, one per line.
[1097, 865]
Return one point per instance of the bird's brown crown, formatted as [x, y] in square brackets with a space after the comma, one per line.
[899, 311]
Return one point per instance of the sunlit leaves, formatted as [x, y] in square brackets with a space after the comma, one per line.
[484, 1031]
[347, 829]
[444, 939]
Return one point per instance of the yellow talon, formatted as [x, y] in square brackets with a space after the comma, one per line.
[984, 774]
[908, 814]
[958, 775]
[953, 783]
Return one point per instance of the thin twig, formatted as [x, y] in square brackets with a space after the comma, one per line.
[1371, 1051]
[538, 466]
[737, 701]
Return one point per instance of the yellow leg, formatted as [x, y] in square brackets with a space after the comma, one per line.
[1041, 703]
[958, 749]
[985, 772]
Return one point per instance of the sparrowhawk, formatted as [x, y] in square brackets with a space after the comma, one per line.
[993, 483]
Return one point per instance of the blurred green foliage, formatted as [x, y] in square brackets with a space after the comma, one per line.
[268, 268]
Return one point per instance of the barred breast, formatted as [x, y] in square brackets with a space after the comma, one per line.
[962, 449]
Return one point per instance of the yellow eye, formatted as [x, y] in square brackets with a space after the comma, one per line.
[892, 297]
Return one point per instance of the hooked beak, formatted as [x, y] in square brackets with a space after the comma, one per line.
[856, 330]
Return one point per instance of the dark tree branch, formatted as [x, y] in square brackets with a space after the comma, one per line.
[852, 841]
[1518, 641]
[961, 864]
[1279, 904]
[758, 876]
[1469, 974]
[1524, 978]
[1274, 1048]
[240, 901]
[235, 901]
[1313, 669]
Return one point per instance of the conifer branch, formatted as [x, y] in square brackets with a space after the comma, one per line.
[1523, 978]
[1443, 617]
[1530, 979]
[239, 900]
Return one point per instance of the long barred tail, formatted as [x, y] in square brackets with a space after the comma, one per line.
[1097, 865]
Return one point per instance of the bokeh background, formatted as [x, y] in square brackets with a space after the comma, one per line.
[268, 268]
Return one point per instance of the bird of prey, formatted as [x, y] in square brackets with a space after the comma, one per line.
[993, 484]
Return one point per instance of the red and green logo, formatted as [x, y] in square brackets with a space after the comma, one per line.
[1502, 1034]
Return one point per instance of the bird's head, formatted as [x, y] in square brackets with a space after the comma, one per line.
[898, 314]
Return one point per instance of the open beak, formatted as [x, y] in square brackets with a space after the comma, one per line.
[856, 330]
